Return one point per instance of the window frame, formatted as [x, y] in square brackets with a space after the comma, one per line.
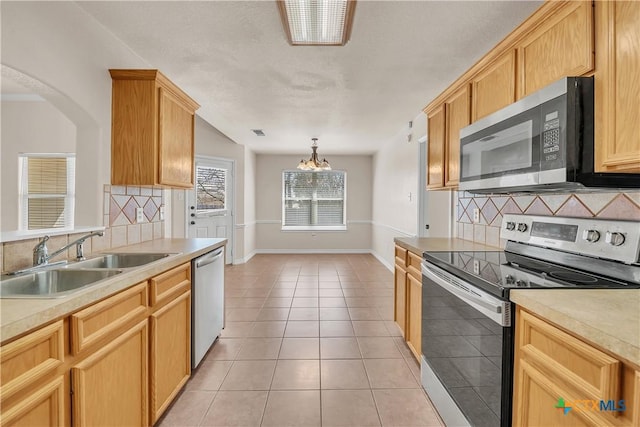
[299, 228]
[24, 196]
[205, 213]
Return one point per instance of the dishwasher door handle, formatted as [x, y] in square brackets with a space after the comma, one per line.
[208, 259]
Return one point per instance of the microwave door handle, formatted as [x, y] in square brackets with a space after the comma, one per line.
[497, 310]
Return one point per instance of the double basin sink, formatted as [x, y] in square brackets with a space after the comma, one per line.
[62, 280]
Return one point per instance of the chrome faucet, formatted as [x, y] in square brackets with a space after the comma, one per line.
[41, 254]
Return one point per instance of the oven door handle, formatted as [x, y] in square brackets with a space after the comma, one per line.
[494, 308]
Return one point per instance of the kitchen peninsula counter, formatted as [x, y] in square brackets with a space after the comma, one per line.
[21, 315]
[609, 319]
[418, 245]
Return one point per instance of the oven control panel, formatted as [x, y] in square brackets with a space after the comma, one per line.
[608, 239]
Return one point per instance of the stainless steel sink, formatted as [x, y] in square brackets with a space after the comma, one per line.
[120, 260]
[51, 283]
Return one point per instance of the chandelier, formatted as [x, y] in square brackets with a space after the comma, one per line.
[313, 164]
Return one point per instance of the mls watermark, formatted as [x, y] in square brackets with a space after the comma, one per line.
[591, 405]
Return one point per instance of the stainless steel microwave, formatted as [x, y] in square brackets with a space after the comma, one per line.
[543, 142]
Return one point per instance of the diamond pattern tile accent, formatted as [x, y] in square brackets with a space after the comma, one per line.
[130, 210]
[511, 207]
[538, 207]
[612, 205]
[489, 211]
[574, 208]
[150, 210]
[621, 208]
[597, 201]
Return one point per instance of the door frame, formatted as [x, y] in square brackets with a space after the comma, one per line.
[233, 198]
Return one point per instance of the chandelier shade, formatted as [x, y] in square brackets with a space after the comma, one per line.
[314, 163]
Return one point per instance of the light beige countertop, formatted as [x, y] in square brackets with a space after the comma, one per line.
[18, 316]
[418, 245]
[610, 319]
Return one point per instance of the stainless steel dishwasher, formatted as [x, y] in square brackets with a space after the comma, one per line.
[207, 302]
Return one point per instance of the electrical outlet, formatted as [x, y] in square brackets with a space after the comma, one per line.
[139, 215]
[476, 215]
[476, 266]
[161, 213]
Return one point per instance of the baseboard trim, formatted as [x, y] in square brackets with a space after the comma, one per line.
[383, 261]
[245, 259]
[312, 251]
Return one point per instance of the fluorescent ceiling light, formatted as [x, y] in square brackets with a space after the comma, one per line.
[317, 22]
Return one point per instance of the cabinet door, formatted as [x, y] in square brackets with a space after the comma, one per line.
[458, 115]
[551, 364]
[561, 46]
[400, 298]
[176, 140]
[494, 87]
[617, 128]
[110, 387]
[414, 304]
[435, 147]
[43, 406]
[170, 352]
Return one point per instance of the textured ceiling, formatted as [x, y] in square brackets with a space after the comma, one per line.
[232, 57]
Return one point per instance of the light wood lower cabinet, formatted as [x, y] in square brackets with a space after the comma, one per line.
[44, 405]
[118, 362]
[400, 290]
[408, 298]
[559, 380]
[110, 387]
[170, 358]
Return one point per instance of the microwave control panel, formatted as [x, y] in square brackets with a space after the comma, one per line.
[551, 137]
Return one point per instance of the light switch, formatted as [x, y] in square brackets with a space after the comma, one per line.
[139, 215]
[161, 213]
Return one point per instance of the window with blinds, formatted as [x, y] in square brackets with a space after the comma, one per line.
[47, 191]
[314, 200]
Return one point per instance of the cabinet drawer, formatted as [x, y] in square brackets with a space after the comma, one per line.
[29, 358]
[401, 256]
[580, 368]
[414, 266]
[43, 406]
[170, 283]
[95, 323]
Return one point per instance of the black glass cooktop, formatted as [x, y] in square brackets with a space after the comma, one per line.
[498, 272]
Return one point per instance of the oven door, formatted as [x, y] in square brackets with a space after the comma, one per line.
[467, 348]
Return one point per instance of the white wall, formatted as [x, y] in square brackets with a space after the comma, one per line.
[270, 237]
[212, 143]
[249, 224]
[28, 127]
[60, 45]
[395, 192]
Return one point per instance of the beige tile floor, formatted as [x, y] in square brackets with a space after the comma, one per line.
[309, 341]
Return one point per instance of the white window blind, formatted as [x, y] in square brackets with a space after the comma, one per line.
[47, 191]
[314, 200]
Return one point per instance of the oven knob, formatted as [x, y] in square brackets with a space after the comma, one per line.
[511, 226]
[591, 236]
[510, 280]
[614, 238]
[521, 283]
[522, 227]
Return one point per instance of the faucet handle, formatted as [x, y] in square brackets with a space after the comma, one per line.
[40, 252]
[41, 244]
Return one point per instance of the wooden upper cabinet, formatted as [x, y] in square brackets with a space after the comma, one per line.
[458, 115]
[617, 127]
[152, 130]
[494, 87]
[561, 45]
[435, 147]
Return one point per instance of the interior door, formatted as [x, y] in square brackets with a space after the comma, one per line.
[210, 203]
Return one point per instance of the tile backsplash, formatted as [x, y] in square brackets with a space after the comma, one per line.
[610, 205]
[119, 219]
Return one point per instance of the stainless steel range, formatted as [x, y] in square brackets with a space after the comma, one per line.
[467, 318]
